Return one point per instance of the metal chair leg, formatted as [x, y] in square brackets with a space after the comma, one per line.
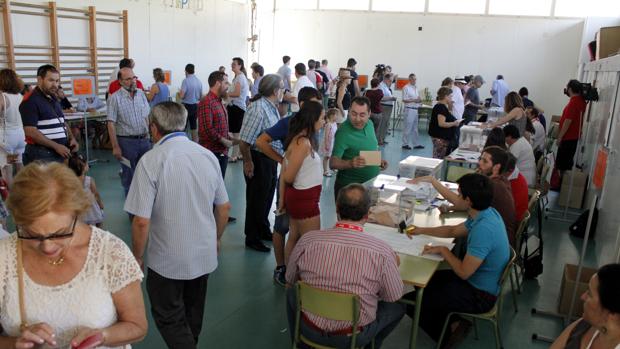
[498, 338]
[443, 331]
[476, 329]
[514, 294]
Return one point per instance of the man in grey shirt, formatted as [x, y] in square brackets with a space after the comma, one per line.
[180, 206]
[191, 93]
[472, 100]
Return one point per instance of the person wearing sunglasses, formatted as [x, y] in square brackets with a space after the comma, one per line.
[65, 283]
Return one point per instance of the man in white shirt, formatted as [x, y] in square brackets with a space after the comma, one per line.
[326, 70]
[387, 103]
[285, 72]
[522, 150]
[412, 101]
[302, 81]
[499, 90]
[458, 102]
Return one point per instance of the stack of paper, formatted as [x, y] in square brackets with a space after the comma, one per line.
[400, 243]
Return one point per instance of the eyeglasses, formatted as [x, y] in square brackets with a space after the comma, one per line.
[131, 78]
[52, 237]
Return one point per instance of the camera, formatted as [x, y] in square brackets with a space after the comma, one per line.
[586, 90]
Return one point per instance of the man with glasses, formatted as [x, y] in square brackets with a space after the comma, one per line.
[128, 111]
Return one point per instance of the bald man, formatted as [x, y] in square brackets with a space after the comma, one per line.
[128, 125]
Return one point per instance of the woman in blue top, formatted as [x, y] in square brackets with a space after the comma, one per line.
[159, 91]
[472, 284]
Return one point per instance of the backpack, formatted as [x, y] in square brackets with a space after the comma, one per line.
[578, 228]
[325, 84]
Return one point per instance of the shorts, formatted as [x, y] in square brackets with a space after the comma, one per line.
[302, 203]
[235, 118]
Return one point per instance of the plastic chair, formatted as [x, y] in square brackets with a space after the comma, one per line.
[456, 172]
[492, 315]
[327, 304]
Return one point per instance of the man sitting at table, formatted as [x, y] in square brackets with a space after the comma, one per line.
[518, 186]
[472, 283]
[491, 164]
[366, 266]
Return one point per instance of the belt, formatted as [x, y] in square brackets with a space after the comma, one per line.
[342, 332]
[136, 136]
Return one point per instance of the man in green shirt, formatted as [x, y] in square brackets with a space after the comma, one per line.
[354, 135]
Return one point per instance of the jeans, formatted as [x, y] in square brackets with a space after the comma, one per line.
[192, 109]
[410, 131]
[446, 293]
[35, 152]
[178, 308]
[223, 160]
[259, 192]
[387, 318]
[132, 149]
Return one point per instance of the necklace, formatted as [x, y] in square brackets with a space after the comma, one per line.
[61, 260]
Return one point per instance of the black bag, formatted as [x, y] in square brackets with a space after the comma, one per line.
[532, 262]
[578, 228]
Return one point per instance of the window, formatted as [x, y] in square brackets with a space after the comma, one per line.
[296, 5]
[398, 5]
[343, 4]
[520, 8]
[457, 6]
[590, 8]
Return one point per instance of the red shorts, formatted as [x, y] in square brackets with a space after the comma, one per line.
[304, 203]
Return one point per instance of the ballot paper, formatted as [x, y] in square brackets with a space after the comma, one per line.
[125, 161]
[372, 157]
[400, 243]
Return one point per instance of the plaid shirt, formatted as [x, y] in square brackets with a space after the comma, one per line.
[212, 123]
[130, 115]
[261, 115]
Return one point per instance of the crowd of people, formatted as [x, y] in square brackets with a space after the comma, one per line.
[174, 158]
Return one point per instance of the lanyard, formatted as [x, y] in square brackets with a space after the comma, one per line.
[172, 135]
[350, 227]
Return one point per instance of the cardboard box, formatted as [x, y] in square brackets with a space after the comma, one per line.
[607, 42]
[579, 187]
[568, 284]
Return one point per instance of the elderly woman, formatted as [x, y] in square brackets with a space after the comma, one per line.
[65, 283]
[599, 326]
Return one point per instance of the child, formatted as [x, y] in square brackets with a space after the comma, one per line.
[327, 145]
[95, 215]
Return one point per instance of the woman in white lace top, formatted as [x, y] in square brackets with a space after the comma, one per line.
[64, 283]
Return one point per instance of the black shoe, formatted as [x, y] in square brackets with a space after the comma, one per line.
[232, 219]
[266, 237]
[418, 147]
[279, 276]
[406, 147]
[257, 246]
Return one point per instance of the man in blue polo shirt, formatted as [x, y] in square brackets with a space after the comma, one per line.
[279, 132]
[472, 284]
[46, 133]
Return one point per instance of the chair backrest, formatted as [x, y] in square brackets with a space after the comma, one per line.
[507, 270]
[519, 234]
[533, 200]
[456, 172]
[328, 304]
[543, 179]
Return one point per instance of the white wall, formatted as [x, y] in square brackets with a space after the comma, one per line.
[539, 53]
[159, 36]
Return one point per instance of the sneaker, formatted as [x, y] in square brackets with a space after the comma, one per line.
[418, 147]
[279, 276]
[257, 246]
[406, 147]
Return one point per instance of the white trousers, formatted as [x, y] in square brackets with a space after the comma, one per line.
[410, 129]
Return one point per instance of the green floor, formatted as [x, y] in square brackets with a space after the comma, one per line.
[245, 309]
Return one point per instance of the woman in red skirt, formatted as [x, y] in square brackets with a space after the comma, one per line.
[302, 173]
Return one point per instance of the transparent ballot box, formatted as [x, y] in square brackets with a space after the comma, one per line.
[417, 166]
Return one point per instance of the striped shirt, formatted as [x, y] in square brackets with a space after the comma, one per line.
[347, 261]
[261, 115]
[130, 115]
[43, 112]
[175, 185]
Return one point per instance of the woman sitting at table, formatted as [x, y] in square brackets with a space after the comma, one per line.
[443, 124]
[472, 284]
[599, 327]
[64, 282]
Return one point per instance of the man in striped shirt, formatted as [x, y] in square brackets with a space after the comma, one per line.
[180, 206]
[345, 259]
[44, 123]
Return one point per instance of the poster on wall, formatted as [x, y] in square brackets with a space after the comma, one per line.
[167, 77]
[83, 86]
[598, 179]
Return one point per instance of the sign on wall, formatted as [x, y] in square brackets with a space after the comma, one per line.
[83, 86]
[167, 77]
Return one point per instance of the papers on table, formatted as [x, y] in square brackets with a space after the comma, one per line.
[467, 155]
[73, 116]
[400, 243]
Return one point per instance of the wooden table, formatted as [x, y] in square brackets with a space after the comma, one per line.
[417, 271]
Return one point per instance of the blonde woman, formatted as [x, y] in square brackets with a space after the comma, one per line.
[343, 97]
[65, 283]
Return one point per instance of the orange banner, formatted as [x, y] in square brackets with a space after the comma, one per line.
[599, 170]
[362, 80]
[82, 87]
[401, 82]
